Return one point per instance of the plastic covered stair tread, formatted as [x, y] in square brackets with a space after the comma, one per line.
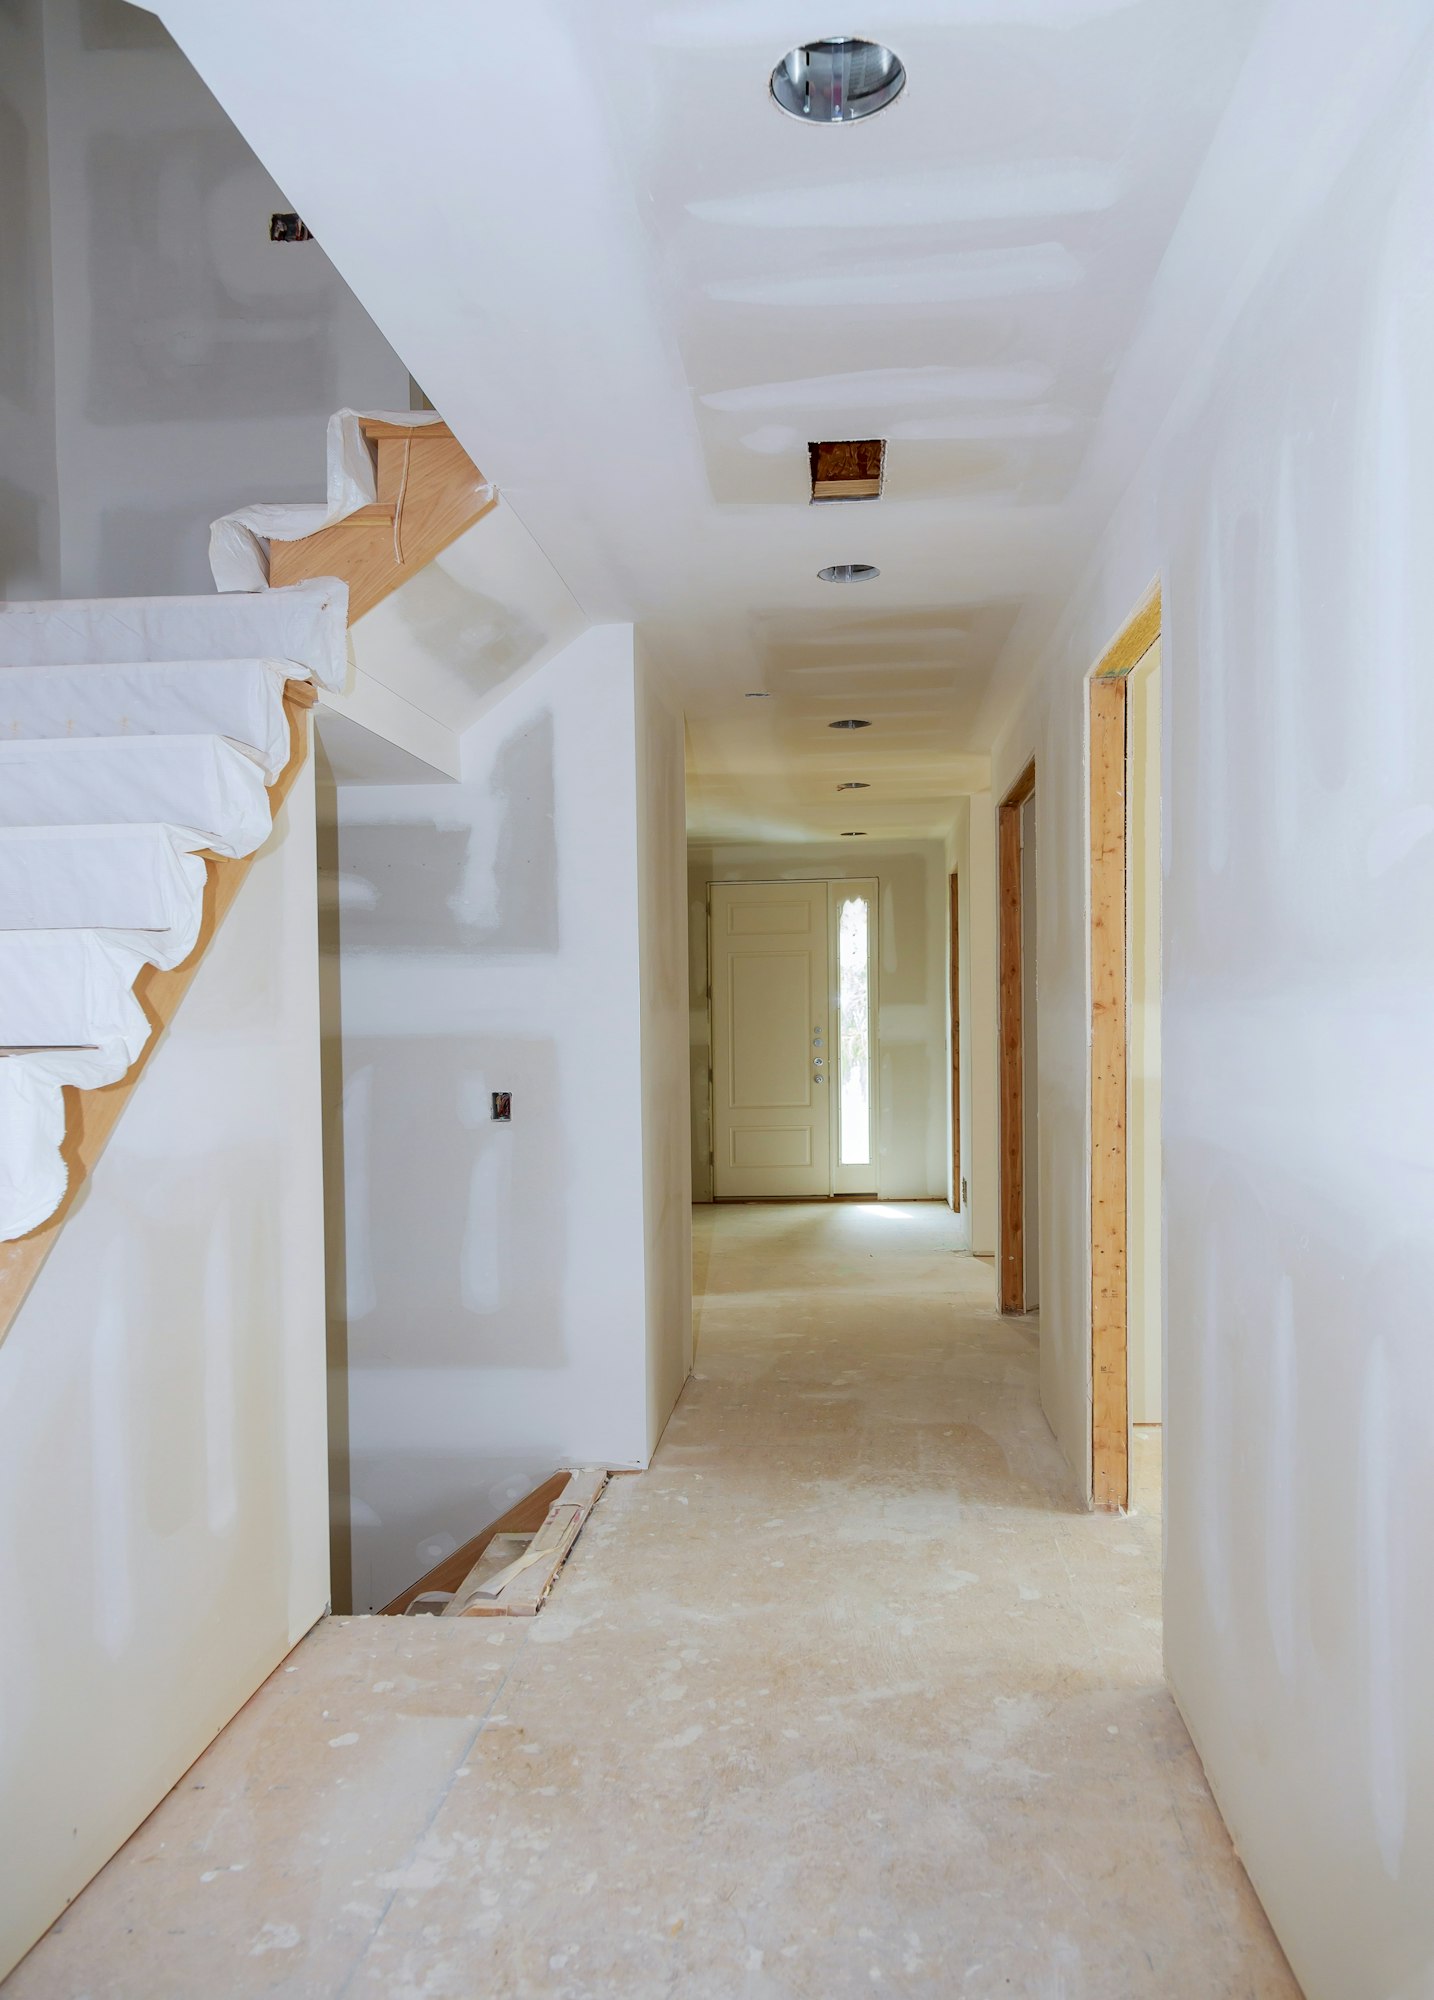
[305, 624]
[69, 991]
[201, 782]
[242, 699]
[110, 878]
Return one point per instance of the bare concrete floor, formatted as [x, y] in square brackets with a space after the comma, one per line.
[843, 1696]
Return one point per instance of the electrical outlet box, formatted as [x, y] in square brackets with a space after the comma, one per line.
[502, 1107]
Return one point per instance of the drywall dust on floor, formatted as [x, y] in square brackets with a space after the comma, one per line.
[842, 1697]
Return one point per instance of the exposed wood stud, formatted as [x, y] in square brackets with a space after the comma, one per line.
[1110, 1469]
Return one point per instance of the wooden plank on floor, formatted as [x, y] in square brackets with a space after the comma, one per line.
[525, 1518]
[518, 1590]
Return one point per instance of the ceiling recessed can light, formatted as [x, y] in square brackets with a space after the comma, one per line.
[854, 785]
[848, 572]
[837, 80]
[859, 834]
[850, 722]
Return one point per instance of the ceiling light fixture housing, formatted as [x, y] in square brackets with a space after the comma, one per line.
[848, 572]
[850, 722]
[837, 80]
[859, 834]
[854, 785]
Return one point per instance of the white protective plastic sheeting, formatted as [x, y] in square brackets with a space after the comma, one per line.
[239, 542]
[304, 625]
[59, 987]
[109, 878]
[241, 699]
[198, 782]
[68, 1013]
[70, 990]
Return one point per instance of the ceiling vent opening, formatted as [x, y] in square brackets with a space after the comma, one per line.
[837, 80]
[848, 469]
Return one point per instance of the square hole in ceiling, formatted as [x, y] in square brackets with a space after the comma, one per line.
[847, 469]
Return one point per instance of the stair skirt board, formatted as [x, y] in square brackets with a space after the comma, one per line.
[197, 782]
[241, 699]
[304, 625]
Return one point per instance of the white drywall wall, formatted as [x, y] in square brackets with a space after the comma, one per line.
[195, 362]
[162, 1483]
[29, 490]
[497, 1275]
[1287, 503]
[913, 973]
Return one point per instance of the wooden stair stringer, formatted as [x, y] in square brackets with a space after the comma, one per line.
[429, 493]
[91, 1115]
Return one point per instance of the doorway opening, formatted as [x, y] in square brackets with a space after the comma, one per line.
[1019, 1246]
[1125, 1172]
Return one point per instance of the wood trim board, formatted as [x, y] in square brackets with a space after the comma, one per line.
[955, 1044]
[1011, 1083]
[1109, 1221]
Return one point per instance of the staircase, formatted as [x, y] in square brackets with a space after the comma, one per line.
[145, 745]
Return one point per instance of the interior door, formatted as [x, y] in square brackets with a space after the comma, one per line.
[771, 1040]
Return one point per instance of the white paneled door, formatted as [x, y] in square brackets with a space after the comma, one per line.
[772, 1057]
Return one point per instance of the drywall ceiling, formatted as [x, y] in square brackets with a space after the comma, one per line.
[636, 289]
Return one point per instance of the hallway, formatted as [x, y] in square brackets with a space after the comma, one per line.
[842, 1696]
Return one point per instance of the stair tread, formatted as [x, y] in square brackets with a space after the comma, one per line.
[305, 624]
[199, 781]
[241, 699]
[142, 877]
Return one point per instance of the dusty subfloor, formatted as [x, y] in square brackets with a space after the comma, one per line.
[842, 1697]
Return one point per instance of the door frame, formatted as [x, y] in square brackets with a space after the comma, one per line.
[1011, 1085]
[1110, 1056]
[835, 884]
[957, 1204]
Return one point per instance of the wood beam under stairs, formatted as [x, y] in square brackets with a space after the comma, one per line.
[429, 492]
[93, 1114]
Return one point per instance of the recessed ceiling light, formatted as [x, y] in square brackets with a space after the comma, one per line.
[854, 785]
[860, 834]
[850, 722]
[848, 572]
[836, 80]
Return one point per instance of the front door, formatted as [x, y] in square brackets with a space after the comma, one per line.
[771, 1040]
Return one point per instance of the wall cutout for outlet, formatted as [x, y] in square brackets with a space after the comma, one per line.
[289, 229]
[502, 1107]
[849, 469]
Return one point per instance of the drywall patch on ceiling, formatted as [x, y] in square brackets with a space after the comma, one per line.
[885, 388]
[977, 191]
[736, 23]
[1003, 272]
